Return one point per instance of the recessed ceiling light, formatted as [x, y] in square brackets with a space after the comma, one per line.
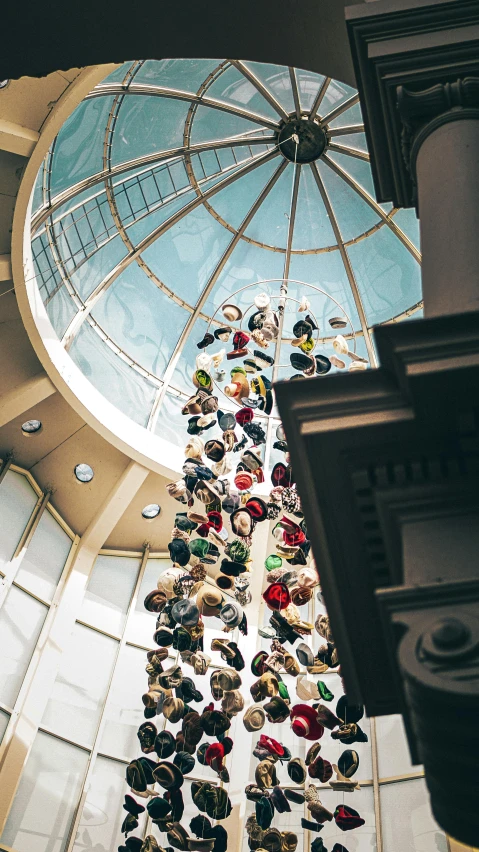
[4, 84]
[151, 511]
[31, 427]
[83, 472]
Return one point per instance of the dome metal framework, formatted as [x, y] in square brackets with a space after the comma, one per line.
[177, 182]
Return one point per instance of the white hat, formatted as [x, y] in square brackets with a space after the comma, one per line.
[356, 366]
[168, 578]
[306, 689]
[231, 313]
[337, 362]
[262, 301]
[304, 304]
[340, 345]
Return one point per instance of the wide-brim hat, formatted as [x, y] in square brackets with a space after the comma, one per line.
[307, 577]
[306, 689]
[257, 508]
[132, 807]
[323, 364]
[254, 719]
[155, 601]
[173, 708]
[232, 613]
[304, 722]
[304, 654]
[185, 612]
[158, 807]
[231, 312]
[209, 600]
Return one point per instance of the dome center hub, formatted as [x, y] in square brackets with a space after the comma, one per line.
[311, 140]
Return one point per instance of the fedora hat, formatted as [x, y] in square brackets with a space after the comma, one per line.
[231, 312]
[254, 719]
[297, 770]
[209, 600]
[185, 612]
[231, 613]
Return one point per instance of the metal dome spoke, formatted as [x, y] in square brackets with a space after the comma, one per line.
[351, 152]
[256, 82]
[294, 86]
[319, 97]
[176, 94]
[347, 264]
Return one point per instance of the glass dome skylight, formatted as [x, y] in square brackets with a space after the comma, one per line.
[176, 184]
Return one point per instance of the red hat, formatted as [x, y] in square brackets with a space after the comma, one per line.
[277, 597]
[243, 481]
[347, 818]
[304, 722]
[257, 508]
[321, 769]
[215, 752]
[281, 475]
[244, 415]
[293, 535]
[271, 745]
[215, 520]
[203, 530]
[240, 339]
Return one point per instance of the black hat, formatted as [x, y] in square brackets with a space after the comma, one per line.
[294, 796]
[297, 770]
[208, 339]
[158, 807]
[179, 551]
[168, 775]
[134, 844]
[183, 522]
[184, 761]
[348, 762]
[200, 825]
[264, 812]
[300, 361]
[223, 333]
[221, 838]
[262, 359]
[129, 824]
[164, 744]
[323, 364]
[146, 734]
[310, 825]
[187, 691]
[256, 320]
[349, 712]
[302, 327]
[132, 806]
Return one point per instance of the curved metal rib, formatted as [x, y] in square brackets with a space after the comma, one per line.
[175, 356]
[374, 206]
[351, 152]
[347, 264]
[79, 318]
[294, 86]
[354, 99]
[177, 94]
[267, 95]
[139, 162]
[319, 97]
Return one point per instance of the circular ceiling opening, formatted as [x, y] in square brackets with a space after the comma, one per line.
[177, 184]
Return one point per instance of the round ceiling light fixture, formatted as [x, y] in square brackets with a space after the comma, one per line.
[31, 427]
[4, 84]
[151, 511]
[83, 472]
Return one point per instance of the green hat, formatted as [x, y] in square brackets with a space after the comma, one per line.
[324, 692]
[271, 562]
[238, 551]
[199, 547]
[283, 690]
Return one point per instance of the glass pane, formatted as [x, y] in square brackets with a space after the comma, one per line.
[234, 88]
[81, 685]
[336, 94]
[87, 276]
[270, 224]
[124, 709]
[309, 85]
[312, 227]
[388, 276]
[276, 79]
[43, 563]
[143, 333]
[362, 839]
[185, 256]
[353, 215]
[171, 423]
[111, 376]
[393, 751]
[61, 310]
[210, 124]
[409, 223]
[4, 720]
[247, 264]
[47, 796]
[148, 124]
[78, 150]
[407, 821]
[186, 75]
[109, 592]
[103, 814]
[141, 624]
[17, 501]
[21, 620]
[234, 202]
